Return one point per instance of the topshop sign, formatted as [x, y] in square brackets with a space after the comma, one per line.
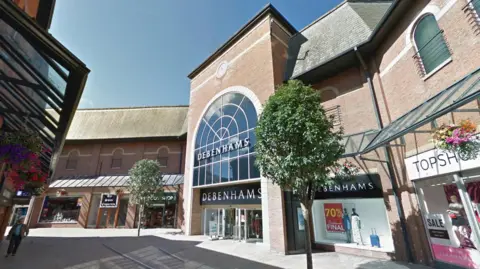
[437, 162]
[224, 149]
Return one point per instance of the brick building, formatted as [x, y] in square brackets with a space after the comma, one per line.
[389, 72]
[101, 146]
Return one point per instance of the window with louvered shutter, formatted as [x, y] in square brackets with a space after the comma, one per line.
[430, 43]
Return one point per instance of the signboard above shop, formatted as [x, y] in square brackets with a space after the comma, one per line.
[230, 195]
[362, 186]
[437, 162]
[108, 200]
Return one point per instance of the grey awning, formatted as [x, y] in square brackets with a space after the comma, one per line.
[453, 97]
[108, 181]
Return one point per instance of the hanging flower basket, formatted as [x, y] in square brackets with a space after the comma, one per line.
[460, 139]
[15, 147]
[346, 171]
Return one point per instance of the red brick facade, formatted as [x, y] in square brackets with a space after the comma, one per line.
[95, 158]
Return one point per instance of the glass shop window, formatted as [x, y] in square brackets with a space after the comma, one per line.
[451, 217]
[61, 209]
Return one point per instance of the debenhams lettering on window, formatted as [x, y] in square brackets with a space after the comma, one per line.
[224, 149]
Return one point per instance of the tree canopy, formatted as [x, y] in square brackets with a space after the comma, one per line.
[296, 142]
[145, 182]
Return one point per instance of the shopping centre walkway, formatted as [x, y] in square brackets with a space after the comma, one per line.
[121, 249]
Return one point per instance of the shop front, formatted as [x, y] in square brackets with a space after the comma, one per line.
[102, 202]
[352, 214]
[164, 213]
[233, 212]
[448, 191]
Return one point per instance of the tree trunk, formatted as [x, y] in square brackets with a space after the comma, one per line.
[140, 214]
[306, 209]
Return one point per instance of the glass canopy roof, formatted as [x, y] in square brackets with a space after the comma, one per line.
[37, 73]
[460, 93]
[356, 143]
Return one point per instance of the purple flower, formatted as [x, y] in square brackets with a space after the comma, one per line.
[458, 137]
[13, 153]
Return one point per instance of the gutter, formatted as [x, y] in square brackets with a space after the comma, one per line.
[388, 162]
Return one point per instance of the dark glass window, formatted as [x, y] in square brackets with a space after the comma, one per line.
[71, 163]
[116, 163]
[254, 172]
[225, 171]
[243, 168]
[202, 176]
[195, 177]
[225, 141]
[163, 161]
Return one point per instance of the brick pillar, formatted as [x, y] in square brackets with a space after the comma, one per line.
[180, 213]
[84, 210]
[196, 217]
[36, 210]
[131, 214]
[5, 213]
[276, 218]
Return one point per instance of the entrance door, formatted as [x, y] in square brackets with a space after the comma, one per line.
[240, 228]
[106, 218]
[229, 220]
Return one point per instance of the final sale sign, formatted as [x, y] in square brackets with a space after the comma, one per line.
[333, 217]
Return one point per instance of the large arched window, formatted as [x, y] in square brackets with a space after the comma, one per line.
[225, 142]
[430, 43]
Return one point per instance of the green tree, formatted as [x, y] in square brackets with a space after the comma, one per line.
[297, 146]
[145, 185]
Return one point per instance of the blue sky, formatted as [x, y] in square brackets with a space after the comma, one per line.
[140, 54]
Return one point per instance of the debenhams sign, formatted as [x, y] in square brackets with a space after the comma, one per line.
[237, 194]
[224, 149]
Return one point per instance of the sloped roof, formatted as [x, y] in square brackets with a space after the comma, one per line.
[348, 25]
[124, 123]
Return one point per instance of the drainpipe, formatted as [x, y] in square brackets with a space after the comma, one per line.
[391, 171]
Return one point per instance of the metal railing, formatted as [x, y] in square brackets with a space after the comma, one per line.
[472, 11]
[336, 114]
[433, 50]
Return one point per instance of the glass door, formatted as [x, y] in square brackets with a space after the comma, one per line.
[221, 223]
[106, 218]
[240, 229]
[229, 219]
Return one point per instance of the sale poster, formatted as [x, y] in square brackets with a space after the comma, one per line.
[333, 217]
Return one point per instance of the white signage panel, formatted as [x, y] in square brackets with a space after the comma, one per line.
[437, 162]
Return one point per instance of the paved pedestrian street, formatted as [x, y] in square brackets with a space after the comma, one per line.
[121, 249]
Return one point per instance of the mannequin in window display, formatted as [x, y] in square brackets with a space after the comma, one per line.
[356, 228]
[347, 225]
[460, 226]
[257, 225]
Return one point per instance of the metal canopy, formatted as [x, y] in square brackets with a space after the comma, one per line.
[109, 181]
[356, 143]
[453, 97]
[36, 73]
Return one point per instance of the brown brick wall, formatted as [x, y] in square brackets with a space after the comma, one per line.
[256, 62]
[96, 158]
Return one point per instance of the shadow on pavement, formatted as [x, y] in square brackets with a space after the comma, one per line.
[119, 253]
